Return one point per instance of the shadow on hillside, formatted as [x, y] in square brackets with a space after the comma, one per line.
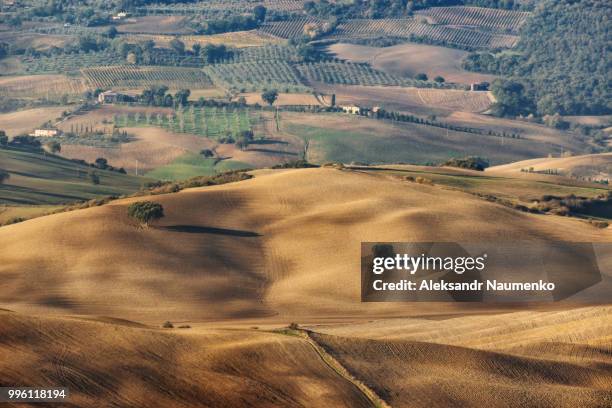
[268, 141]
[194, 229]
[271, 151]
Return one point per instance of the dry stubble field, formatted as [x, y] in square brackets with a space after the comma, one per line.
[263, 252]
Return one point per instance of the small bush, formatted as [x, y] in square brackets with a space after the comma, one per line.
[167, 325]
[296, 164]
[563, 211]
[598, 224]
[14, 220]
[145, 211]
[423, 180]
[294, 326]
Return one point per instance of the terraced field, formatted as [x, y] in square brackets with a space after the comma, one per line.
[401, 28]
[70, 62]
[287, 29]
[509, 21]
[41, 86]
[407, 28]
[254, 76]
[139, 77]
[346, 73]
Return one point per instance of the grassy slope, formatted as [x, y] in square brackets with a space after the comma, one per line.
[348, 138]
[46, 179]
[192, 165]
[501, 185]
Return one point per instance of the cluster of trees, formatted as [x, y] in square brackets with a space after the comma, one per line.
[88, 13]
[570, 75]
[472, 163]
[234, 23]
[147, 54]
[269, 96]
[158, 96]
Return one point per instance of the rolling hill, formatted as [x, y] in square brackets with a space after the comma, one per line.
[229, 263]
[284, 244]
[592, 166]
[37, 179]
[221, 368]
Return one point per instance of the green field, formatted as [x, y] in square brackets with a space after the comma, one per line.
[192, 165]
[210, 122]
[331, 145]
[37, 179]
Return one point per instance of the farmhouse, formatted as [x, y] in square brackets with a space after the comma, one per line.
[108, 97]
[479, 86]
[121, 15]
[352, 109]
[46, 132]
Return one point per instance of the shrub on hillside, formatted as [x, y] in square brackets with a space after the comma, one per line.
[472, 163]
[4, 175]
[145, 211]
[295, 164]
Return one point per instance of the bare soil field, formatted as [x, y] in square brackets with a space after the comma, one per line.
[41, 86]
[10, 65]
[239, 39]
[25, 121]
[37, 41]
[420, 100]
[602, 120]
[155, 25]
[409, 59]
